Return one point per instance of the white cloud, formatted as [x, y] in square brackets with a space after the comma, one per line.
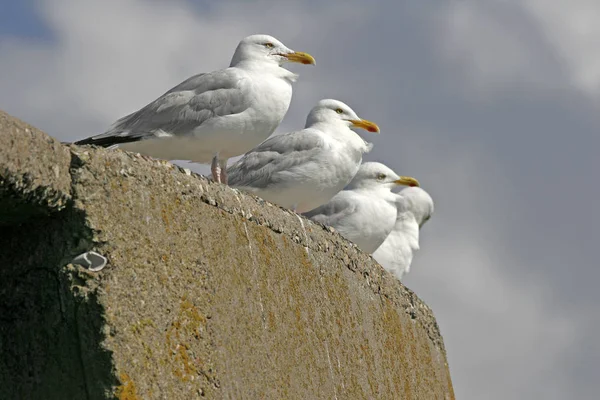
[508, 326]
[572, 28]
[504, 336]
[484, 47]
[108, 58]
[539, 43]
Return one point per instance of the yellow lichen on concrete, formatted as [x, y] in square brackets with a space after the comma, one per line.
[126, 391]
[185, 329]
[208, 292]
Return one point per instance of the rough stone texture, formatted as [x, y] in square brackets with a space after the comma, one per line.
[209, 293]
[34, 171]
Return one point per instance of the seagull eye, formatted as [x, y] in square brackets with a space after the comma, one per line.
[269, 45]
[381, 177]
[339, 111]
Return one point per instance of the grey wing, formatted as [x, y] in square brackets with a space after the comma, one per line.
[340, 207]
[276, 160]
[181, 109]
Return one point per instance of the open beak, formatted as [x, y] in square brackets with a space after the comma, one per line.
[299, 57]
[364, 124]
[407, 181]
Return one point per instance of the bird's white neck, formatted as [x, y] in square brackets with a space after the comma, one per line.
[374, 189]
[266, 68]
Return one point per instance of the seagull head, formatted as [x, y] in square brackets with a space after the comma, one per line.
[267, 49]
[335, 112]
[418, 202]
[376, 175]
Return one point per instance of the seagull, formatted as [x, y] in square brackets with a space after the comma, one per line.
[304, 169]
[365, 211]
[415, 207]
[213, 116]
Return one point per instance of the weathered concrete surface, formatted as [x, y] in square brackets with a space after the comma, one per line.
[34, 171]
[209, 293]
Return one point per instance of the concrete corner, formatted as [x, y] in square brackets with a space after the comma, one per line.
[34, 172]
[208, 293]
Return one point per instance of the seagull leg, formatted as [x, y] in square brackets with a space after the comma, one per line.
[215, 169]
[223, 167]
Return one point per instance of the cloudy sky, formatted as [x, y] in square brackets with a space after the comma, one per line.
[492, 105]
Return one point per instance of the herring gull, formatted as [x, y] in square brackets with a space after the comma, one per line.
[213, 116]
[304, 169]
[415, 207]
[365, 211]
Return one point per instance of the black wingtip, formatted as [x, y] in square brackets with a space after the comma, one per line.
[83, 142]
[106, 141]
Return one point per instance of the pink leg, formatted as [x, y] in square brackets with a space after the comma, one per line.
[215, 169]
[223, 167]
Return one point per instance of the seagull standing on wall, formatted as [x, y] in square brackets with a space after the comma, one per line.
[304, 169]
[415, 207]
[365, 211]
[213, 116]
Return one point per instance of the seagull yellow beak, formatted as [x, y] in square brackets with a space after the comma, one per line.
[364, 124]
[299, 57]
[406, 181]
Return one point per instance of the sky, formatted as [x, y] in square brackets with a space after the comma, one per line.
[492, 105]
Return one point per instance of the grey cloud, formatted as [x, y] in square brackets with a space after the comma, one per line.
[507, 150]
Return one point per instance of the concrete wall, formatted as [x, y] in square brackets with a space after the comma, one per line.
[208, 293]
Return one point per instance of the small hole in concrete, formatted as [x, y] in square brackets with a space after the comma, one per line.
[91, 260]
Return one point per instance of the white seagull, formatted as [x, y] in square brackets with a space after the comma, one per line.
[215, 115]
[415, 207]
[365, 211]
[304, 169]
